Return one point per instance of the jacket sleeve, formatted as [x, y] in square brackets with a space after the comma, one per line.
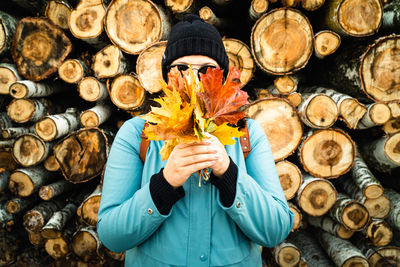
[260, 208]
[127, 215]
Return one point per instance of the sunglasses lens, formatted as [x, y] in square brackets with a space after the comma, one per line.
[182, 67]
[204, 69]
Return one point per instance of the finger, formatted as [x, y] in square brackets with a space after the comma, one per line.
[199, 166]
[194, 159]
[202, 142]
[197, 149]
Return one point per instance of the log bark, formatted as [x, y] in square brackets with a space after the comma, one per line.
[55, 126]
[290, 178]
[383, 154]
[285, 85]
[327, 153]
[29, 110]
[239, 55]
[179, 8]
[365, 179]
[341, 251]
[13, 132]
[350, 110]
[6, 219]
[208, 16]
[91, 89]
[272, 37]
[350, 213]
[298, 217]
[28, 89]
[310, 249]
[86, 22]
[86, 244]
[394, 216]
[316, 196]
[327, 224]
[6, 144]
[377, 114]
[8, 23]
[83, 154]
[90, 207]
[109, 62]
[29, 150]
[24, 182]
[5, 121]
[39, 48]
[127, 93]
[257, 9]
[379, 232]
[58, 11]
[391, 15]
[37, 217]
[286, 254]
[295, 98]
[352, 18]
[96, 115]
[52, 190]
[281, 124]
[148, 67]
[54, 227]
[51, 164]
[151, 24]
[73, 70]
[394, 109]
[36, 239]
[18, 205]
[384, 256]
[59, 247]
[4, 177]
[8, 75]
[318, 110]
[326, 43]
[7, 161]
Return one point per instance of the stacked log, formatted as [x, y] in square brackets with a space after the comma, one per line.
[329, 104]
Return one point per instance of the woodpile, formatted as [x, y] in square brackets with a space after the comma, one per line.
[324, 84]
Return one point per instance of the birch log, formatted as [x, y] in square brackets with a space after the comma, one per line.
[285, 85]
[151, 24]
[318, 110]
[86, 243]
[180, 8]
[350, 110]
[4, 177]
[298, 217]
[341, 251]
[394, 109]
[392, 126]
[29, 110]
[5, 121]
[47, 192]
[73, 70]
[327, 224]
[377, 114]
[28, 89]
[316, 196]
[6, 144]
[394, 216]
[350, 213]
[109, 62]
[286, 254]
[8, 23]
[209, 16]
[55, 225]
[29, 150]
[13, 132]
[55, 126]
[92, 89]
[24, 182]
[90, 207]
[290, 178]
[51, 164]
[8, 75]
[37, 217]
[326, 43]
[58, 11]
[96, 115]
[272, 37]
[36, 239]
[280, 122]
[257, 9]
[6, 219]
[127, 93]
[39, 48]
[18, 205]
[391, 15]
[327, 153]
[383, 154]
[60, 247]
[379, 232]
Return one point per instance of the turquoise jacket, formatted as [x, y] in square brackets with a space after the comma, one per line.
[199, 230]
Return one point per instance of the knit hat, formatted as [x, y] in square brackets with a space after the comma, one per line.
[193, 36]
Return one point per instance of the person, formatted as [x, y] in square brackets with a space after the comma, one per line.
[158, 213]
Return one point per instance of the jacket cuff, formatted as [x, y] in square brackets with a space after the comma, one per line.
[163, 194]
[226, 184]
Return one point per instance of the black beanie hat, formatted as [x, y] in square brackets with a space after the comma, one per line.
[193, 36]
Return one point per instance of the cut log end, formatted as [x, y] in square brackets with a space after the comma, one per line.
[107, 62]
[322, 111]
[360, 17]
[352, 112]
[71, 71]
[385, 256]
[290, 178]
[90, 209]
[295, 98]
[378, 207]
[179, 6]
[12, 206]
[356, 261]
[392, 148]
[380, 233]
[272, 40]
[259, 6]
[326, 43]
[344, 233]
[317, 197]
[58, 13]
[33, 221]
[380, 113]
[373, 191]
[355, 216]
[328, 153]
[86, 21]
[84, 244]
[28, 150]
[206, 14]
[90, 89]
[285, 85]
[288, 256]
[51, 164]
[298, 217]
[46, 129]
[7, 77]
[18, 90]
[56, 248]
[127, 93]
[392, 126]
[45, 193]
[281, 124]
[21, 110]
[36, 239]
[20, 184]
[89, 119]
[312, 5]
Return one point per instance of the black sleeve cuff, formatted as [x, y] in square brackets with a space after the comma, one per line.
[163, 194]
[226, 184]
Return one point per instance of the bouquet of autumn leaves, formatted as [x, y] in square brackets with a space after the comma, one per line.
[190, 108]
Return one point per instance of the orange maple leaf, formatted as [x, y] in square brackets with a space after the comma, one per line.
[222, 100]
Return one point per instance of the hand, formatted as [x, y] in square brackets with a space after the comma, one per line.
[222, 161]
[186, 159]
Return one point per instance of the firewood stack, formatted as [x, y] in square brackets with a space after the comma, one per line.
[324, 83]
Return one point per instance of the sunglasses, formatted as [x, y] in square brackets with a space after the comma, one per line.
[183, 67]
